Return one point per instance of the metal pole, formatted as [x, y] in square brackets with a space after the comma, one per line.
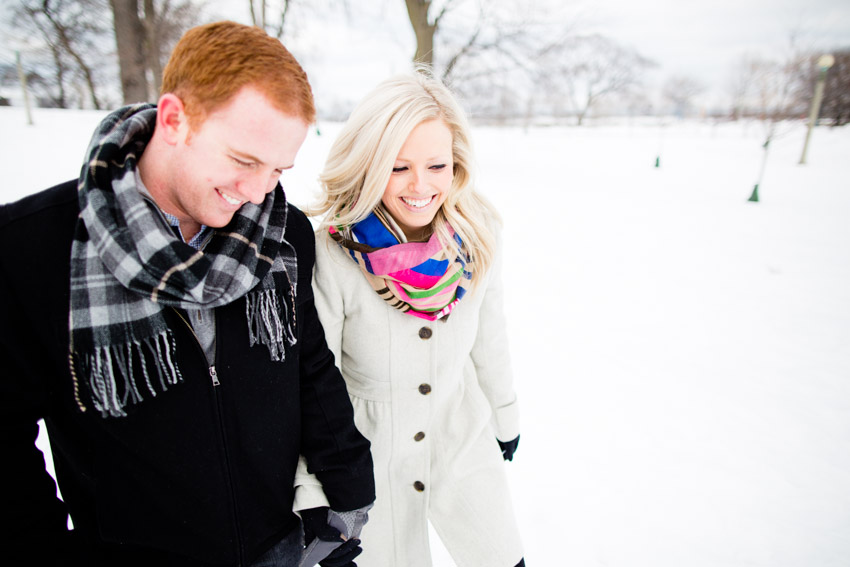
[22, 77]
[825, 62]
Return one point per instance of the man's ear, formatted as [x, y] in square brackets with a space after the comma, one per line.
[171, 118]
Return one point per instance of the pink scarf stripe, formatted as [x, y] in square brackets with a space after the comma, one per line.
[405, 275]
[415, 279]
[434, 316]
[403, 256]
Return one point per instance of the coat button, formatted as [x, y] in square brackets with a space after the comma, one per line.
[419, 486]
[419, 436]
[424, 389]
[425, 333]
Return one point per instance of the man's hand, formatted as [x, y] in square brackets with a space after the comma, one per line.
[343, 556]
[316, 526]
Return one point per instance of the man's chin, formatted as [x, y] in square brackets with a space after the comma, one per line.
[221, 218]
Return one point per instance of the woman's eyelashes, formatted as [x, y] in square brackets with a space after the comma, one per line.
[436, 167]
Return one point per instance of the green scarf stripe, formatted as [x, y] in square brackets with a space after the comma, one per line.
[435, 290]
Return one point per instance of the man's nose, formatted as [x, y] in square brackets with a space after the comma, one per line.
[255, 187]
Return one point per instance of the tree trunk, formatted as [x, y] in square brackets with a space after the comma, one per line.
[62, 99]
[89, 76]
[154, 48]
[417, 10]
[253, 13]
[130, 41]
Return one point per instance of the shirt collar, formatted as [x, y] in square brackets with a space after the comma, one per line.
[198, 241]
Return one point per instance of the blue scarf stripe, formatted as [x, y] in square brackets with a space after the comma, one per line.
[372, 232]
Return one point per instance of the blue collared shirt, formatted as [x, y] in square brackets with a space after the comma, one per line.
[198, 241]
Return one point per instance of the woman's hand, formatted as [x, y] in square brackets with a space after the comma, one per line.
[509, 448]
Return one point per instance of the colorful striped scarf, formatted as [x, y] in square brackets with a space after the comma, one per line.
[418, 278]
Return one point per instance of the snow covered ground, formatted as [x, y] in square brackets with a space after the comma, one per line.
[682, 355]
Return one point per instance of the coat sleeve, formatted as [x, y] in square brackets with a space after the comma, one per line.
[329, 305]
[334, 450]
[329, 297]
[34, 519]
[308, 489]
[491, 356]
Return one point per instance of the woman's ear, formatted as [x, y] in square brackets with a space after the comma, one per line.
[171, 118]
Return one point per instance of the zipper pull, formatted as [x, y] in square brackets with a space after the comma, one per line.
[214, 376]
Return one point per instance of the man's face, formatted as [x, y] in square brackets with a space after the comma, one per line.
[236, 155]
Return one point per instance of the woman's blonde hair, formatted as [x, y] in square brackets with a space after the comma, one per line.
[361, 160]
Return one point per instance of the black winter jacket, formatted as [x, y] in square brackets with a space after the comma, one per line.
[201, 474]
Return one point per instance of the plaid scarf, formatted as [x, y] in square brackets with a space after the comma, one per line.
[418, 278]
[126, 268]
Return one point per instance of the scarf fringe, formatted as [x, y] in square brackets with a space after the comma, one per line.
[269, 322]
[128, 354]
[112, 392]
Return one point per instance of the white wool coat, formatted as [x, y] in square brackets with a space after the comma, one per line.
[432, 397]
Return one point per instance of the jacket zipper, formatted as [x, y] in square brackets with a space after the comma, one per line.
[215, 382]
[189, 326]
[214, 376]
[212, 371]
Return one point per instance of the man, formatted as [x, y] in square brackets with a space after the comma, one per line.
[157, 313]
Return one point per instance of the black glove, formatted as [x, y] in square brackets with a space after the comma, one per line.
[509, 448]
[315, 521]
[343, 556]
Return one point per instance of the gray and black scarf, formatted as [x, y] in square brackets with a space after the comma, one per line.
[126, 268]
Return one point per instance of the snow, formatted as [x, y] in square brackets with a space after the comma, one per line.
[682, 356]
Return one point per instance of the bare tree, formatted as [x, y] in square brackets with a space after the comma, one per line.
[54, 92]
[68, 29]
[164, 23]
[766, 88]
[462, 39]
[279, 17]
[487, 50]
[38, 73]
[587, 69]
[425, 26]
[680, 91]
[271, 18]
[773, 89]
[514, 58]
[740, 86]
[144, 36]
[773, 95]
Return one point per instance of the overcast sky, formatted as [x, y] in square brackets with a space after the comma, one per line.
[346, 55]
[703, 39]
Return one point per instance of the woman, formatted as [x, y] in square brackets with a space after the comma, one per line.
[408, 290]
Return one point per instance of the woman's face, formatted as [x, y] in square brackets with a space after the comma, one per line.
[421, 178]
